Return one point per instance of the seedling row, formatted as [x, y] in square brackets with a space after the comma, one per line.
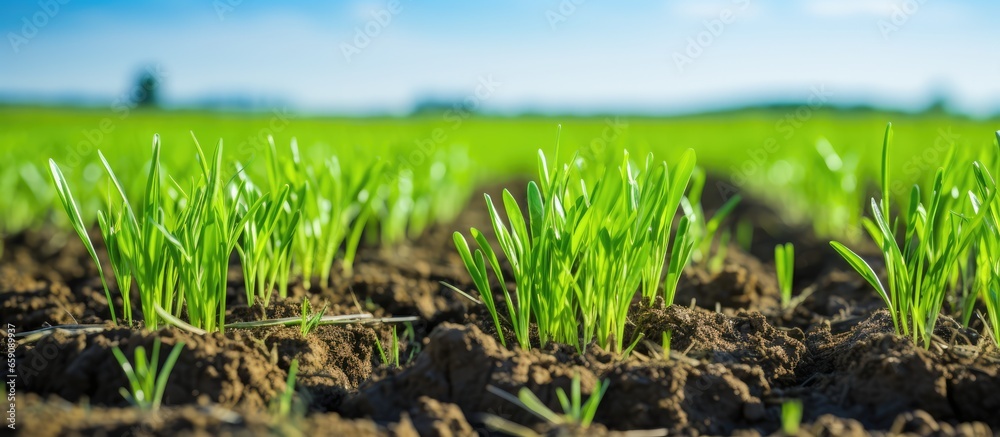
[589, 239]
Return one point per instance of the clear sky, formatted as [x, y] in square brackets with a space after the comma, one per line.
[550, 55]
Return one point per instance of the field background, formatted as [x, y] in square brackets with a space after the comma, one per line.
[768, 152]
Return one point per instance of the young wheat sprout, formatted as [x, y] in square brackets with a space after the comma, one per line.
[936, 236]
[592, 241]
[784, 263]
[791, 417]
[147, 381]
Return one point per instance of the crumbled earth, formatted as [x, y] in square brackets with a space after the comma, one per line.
[735, 356]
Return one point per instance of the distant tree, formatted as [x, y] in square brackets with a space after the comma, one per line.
[431, 106]
[939, 105]
[146, 90]
[440, 105]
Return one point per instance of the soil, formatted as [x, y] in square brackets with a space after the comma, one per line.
[735, 356]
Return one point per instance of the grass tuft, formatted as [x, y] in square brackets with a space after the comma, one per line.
[791, 417]
[936, 236]
[589, 245]
[784, 263]
[147, 381]
[576, 411]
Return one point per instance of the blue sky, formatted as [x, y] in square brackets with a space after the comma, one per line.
[568, 55]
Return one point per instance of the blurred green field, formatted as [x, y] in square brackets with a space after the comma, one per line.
[769, 152]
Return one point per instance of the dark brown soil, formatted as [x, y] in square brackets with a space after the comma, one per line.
[736, 355]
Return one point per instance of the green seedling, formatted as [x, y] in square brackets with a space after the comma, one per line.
[284, 172]
[704, 229]
[175, 245]
[310, 321]
[136, 247]
[30, 195]
[336, 205]
[717, 261]
[936, 236]
[415, 193]
[289, 408]
[988, 280]
[391, 358]
[834, 178]
[784, 264]
[147, 381]
[201, 236]
[410, 336]
[282, 406]
[791, 417]
[76, 221]
[987, 253]
[267, 240]
[744, 234]
[576, 411]
[585, 250]
[667, 337]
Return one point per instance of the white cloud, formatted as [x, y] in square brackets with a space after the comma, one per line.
[942, 12]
